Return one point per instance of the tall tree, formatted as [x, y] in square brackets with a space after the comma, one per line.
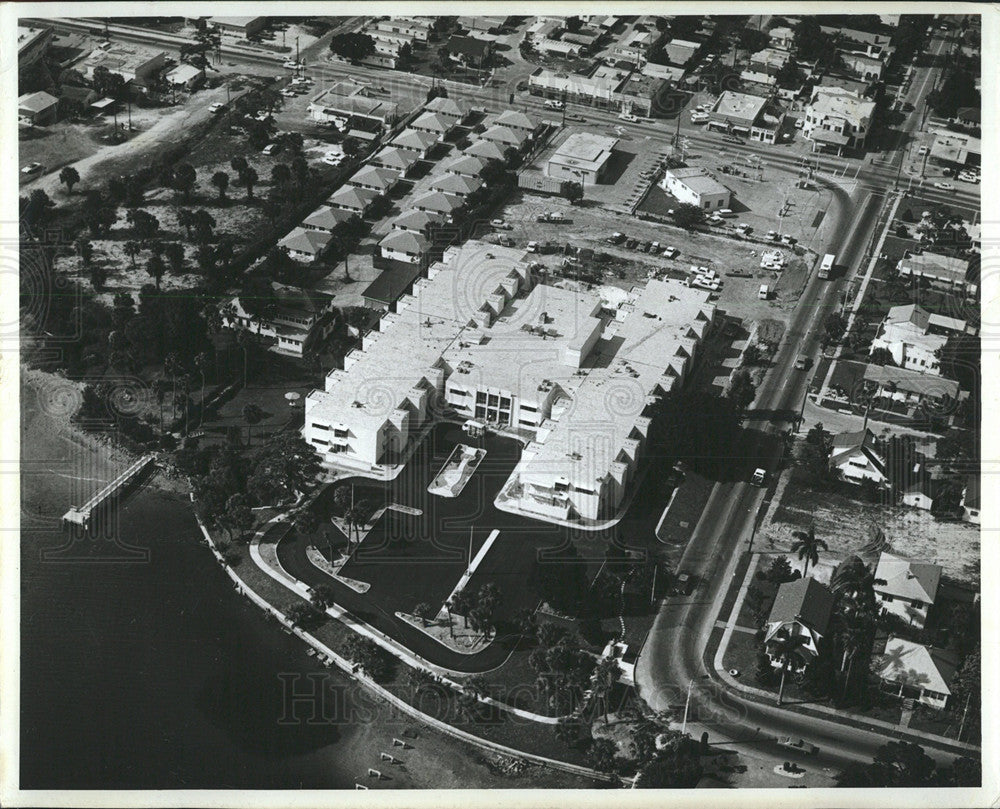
[70, 177]
[221, 181]
[807, 545]
[786, 649]
[252, 414]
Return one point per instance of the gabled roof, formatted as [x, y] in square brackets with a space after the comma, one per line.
[305, 241]
[847, 444]
[915, 581]
[326, 218]
[390, 284]
[37, 102]
[353, 198]
[469, 46]
[804, 600]
[911, 381]
[909, 313]
[381, 178]
[437, 201]
[918, 665]
[404, 242]
[486, 149]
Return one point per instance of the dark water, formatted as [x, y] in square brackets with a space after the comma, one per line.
[142, 668]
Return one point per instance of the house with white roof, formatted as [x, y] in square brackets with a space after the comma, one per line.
[919, 672]
[583, 157]
[504, 137]
[909, 589]
[356, 200]
[856, 456]
[403, 245]
[326, 218]
[375, 178]
[448, 107]
[437, 202]
[485, 149]
[906, 335]
[420, 143]
[518, 121]
[837, 119]
[695, 187]
[417, 221]
[392, 157]
[463, 165]
[456, 185]
[437, 125]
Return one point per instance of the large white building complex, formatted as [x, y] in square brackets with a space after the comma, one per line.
[568, 372]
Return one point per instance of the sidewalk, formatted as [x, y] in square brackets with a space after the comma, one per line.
[826, 712]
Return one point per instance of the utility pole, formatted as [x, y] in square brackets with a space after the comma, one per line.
[469, 566]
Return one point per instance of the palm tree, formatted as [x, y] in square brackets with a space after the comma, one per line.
[421, 611]
[606, 674]
[156, 268]
[132, 249]
[853, 638]
[356, 516]
[221, 181]
[807, 545]
[252, 415]
[785, 649]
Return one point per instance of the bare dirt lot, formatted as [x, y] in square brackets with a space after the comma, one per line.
[845, 524]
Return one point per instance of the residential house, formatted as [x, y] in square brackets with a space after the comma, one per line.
[837, 119]
[298, 319]
[463, 165]
[862, 65]
[420, 143]
[486, 25]
[186, 77]
[682, 52]
[402, 245]
[505, 137]
[437, 202]
[518, 121]
[485, 150]
[420, 222]
[305, 245]
[905, 334]
[471, 51]
[456, 184]
[448, 108]
[856, 456]
[375, 178]
[971, 504]
[37, 109]
[355, 200]
[326, 218]
[968, 117]
[801, 608]
[920, 672]
[557, 47]
[634, 46]
[586, 38]
[694, 186]
[940, 271]
[910, 588]
[764, 66]
[437, 125]
[782, 37]
[392, 157]
[911, 393]
[919, 490]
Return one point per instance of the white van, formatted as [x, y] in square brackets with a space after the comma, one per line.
[763, 293]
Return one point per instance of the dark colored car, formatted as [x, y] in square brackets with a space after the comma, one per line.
[631, 243]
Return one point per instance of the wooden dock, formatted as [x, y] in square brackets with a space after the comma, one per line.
[80, 515]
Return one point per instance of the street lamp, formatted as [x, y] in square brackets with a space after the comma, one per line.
[687, 701]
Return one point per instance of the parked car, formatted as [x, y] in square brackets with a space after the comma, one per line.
[968, 176]
[501, 224]
[800, 745]
[334, 158]
[271, 148]
[553, 104]
[615, 238]
[789, 240]
[759, 477]
[772, 235]
[803, 362]
[627, 116]
[922, 150]
[944, 186]
[31, 168]
[631, 243]
[291, 64]
[699, 117]
[216, 108]
[533, 247]
[671, 252]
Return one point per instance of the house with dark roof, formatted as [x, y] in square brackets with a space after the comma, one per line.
[448, 107]
[297, 320]
[801, 608]
[463, 165]
[969, 117]
[919, 672]
[470, 50]
[856, 456]
[437, 202]
[504, 137]
[909, 589]
[390, 286]
[403, 245]
[518, 121]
